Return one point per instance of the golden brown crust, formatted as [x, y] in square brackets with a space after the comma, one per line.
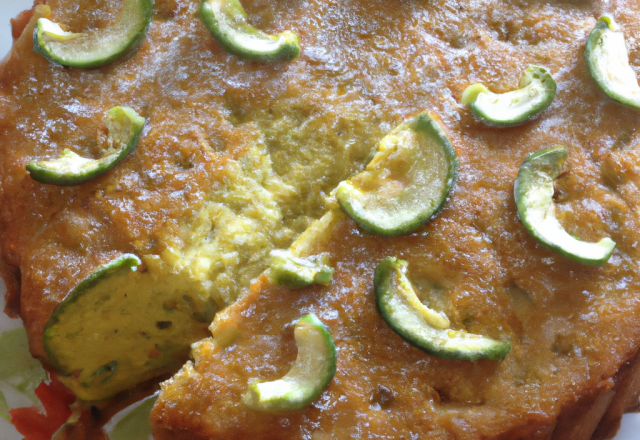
[579, 421]
[364, 341]
[593, 417]
[597, 416]
[58, 235]
[627, 389]
[11, 277]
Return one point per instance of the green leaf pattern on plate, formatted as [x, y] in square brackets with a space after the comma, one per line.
[135, 425]
[19, 371]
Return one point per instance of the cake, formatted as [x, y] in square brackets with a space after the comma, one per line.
[240, 157]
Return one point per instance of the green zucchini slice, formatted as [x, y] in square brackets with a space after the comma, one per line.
[98, 47]
[536, 93]
[227, 22]
[125, 127]
[608, 62]
[312, 371]
[287, 270]
[120, 327]
[423, 327]
[533, 192]
[406, 183]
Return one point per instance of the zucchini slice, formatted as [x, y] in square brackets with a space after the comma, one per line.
[287, 270]
[125, 127]
[120, 327]
[533, 192]
[98, 47]
[608, 62]
[227, 22]
[312, 371]
[423, 327]
[406, 183]
[536, 93]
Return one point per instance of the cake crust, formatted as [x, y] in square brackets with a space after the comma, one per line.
[239, 158]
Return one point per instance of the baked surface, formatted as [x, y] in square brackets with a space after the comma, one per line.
[475, 261]
[220, 177]
[385, 388]
[237, 159]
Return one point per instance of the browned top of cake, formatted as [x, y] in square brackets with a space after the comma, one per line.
[365, 66]
[571, 326]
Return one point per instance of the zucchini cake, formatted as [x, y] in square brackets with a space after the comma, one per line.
[150, 162]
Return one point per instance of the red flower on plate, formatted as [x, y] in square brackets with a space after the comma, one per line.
[36, 425]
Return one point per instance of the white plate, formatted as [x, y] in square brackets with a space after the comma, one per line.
[630, 423]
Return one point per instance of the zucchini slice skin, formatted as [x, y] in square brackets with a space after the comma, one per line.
[407, 182]
[533, 193]
[120, 327]
[296, 273]
[608, 62]
[96, 48]
[411, 325]
[311, 373]
[536, 93]
[125, 128]
[226, 20]
[122, 264]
